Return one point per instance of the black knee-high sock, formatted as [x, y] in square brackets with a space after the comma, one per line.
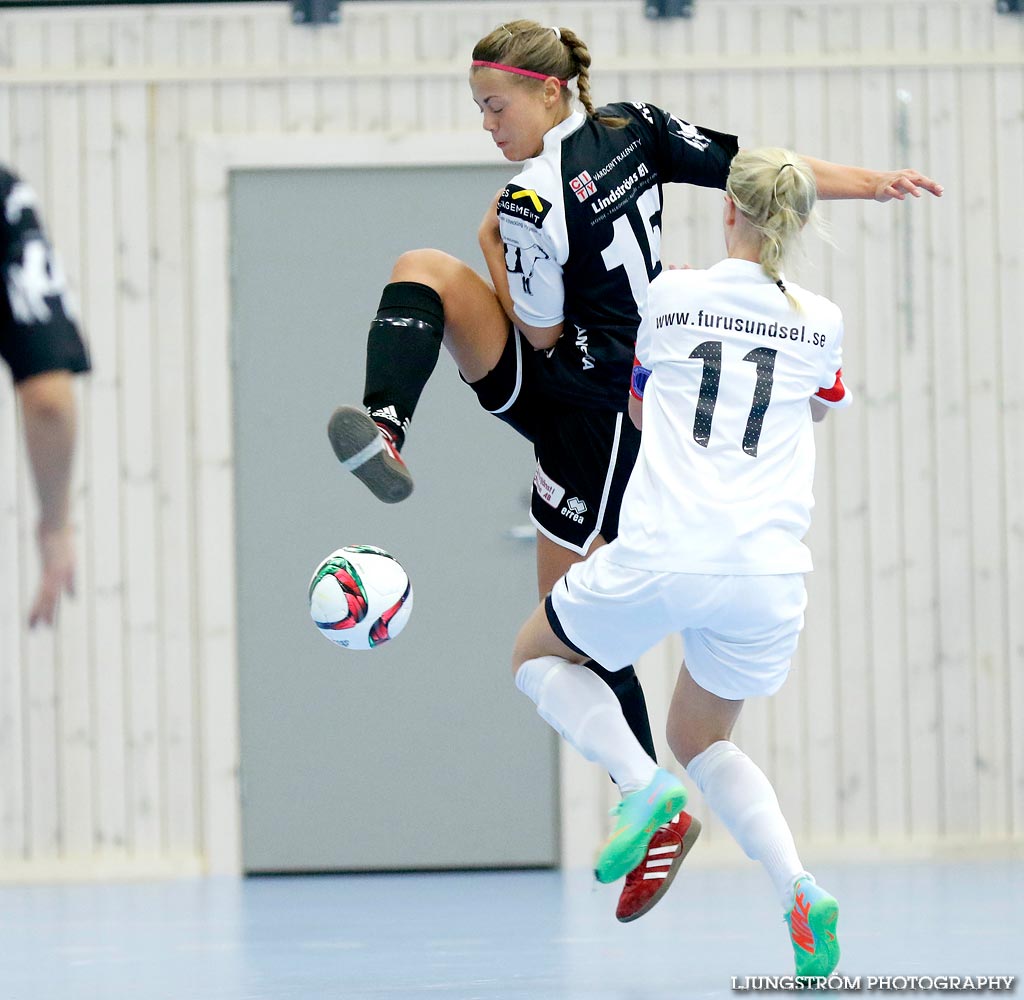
[625, 686]
[401, 352]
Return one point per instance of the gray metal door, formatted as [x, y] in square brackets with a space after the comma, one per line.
[420, 754]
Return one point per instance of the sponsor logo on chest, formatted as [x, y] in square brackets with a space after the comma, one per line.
[582, 186]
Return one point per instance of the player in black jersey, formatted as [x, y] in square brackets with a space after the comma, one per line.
[41, 345]
[571, 244]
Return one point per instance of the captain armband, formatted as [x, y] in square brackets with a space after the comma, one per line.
[837, 396]
[639, 380]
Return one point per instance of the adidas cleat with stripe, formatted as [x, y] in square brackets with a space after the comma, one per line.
[649, 881]
[367, 450]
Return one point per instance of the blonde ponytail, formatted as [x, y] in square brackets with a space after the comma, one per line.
[776, 192]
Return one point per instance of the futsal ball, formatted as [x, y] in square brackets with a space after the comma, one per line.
[360, 597]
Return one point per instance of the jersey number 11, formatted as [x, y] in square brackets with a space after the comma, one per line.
[710, 352]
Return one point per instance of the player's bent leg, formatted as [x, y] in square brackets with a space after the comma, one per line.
[475, 325]
[740, 794]
[431, 298]
[536, 638]
[584, 712]
[402, 348]
[652, 876]
[553, 561]
[626, 687]
[697, 718]
[578, 706]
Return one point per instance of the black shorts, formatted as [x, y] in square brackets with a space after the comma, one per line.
[584, 456]
[34, 346]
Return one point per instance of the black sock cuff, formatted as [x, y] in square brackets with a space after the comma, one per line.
[412, 299]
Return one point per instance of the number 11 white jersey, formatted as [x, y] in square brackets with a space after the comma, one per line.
[723, 484]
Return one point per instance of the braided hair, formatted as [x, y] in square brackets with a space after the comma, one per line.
[557, 52]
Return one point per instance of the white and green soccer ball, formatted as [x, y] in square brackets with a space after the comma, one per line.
[360, 597]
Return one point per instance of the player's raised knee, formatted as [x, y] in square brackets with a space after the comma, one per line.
[427, 266]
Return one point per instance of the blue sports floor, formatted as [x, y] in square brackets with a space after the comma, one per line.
[538, 935]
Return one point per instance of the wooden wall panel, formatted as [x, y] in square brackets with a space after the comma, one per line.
[12, 516]
[879, 249]
[1009, 263]
[951, 446]
[145, 792]
[75, 760]
[173, 403]
[902, 722]
[817, 665]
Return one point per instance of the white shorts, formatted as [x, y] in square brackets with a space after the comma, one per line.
[739, 632]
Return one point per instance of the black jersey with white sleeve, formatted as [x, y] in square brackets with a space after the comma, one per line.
[37, 329]
[581, 227]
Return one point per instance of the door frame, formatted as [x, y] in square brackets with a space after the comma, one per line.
[213, 160]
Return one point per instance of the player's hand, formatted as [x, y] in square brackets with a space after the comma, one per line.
[899, 183]
[680, 267]
[57, 551]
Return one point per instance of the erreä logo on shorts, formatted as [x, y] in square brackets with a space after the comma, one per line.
[574, 509]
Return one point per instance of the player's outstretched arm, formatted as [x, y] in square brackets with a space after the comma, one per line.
[838, 181]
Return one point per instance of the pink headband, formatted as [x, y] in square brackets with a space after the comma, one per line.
[516, 69]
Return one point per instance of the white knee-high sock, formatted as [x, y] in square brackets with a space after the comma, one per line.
[744, 800]
[583, 709]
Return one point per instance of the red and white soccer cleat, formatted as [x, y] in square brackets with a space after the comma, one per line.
[649, 881]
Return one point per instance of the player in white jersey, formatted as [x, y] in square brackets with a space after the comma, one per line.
[571, 244]
[730, 363]
[733, 351]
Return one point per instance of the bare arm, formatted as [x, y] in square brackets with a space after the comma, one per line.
[837, 181]
[48, 410]
[493, 250]
[819, 411]
[636, 411]
[489, 237]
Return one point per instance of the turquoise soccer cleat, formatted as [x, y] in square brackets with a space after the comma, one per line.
[812, 929]
[639, 816]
